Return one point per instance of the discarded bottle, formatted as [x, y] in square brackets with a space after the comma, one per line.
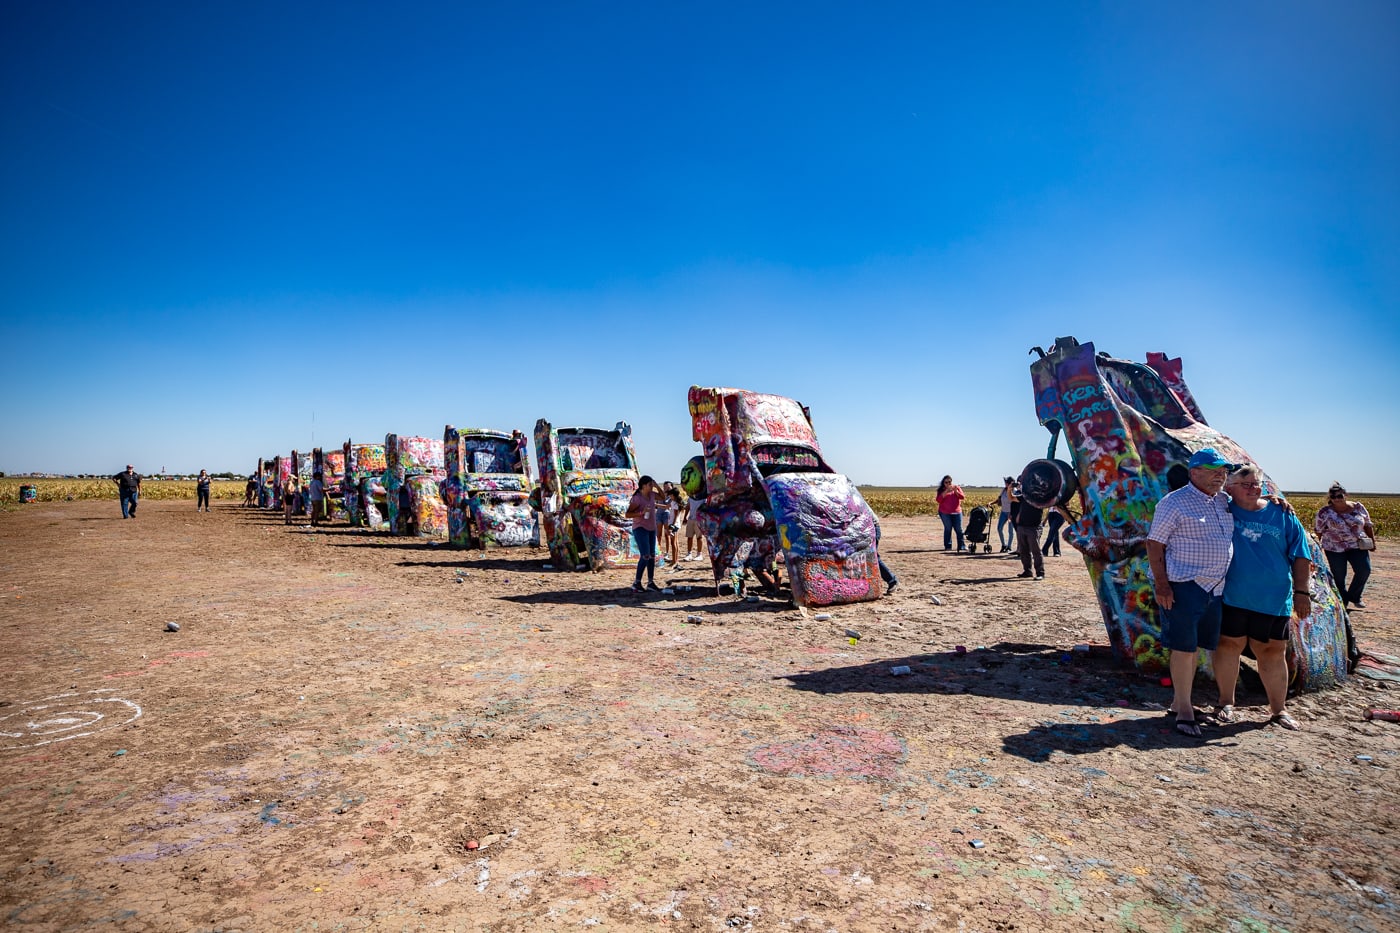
[899, 670]
[1385, 715]
[172, 626]
[695, 618]
[822, 617]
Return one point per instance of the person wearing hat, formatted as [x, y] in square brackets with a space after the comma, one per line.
[129, 488]
[1188, 550]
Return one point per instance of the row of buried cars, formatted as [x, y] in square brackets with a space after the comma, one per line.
[769, 497]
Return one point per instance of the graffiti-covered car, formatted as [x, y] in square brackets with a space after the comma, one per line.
[587, 477]
[362, 488]
[767, 487]
[329, 465]
[412, 479]
[487, 489]
[1131, 429]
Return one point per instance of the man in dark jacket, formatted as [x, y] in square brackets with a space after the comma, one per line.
[129, 488]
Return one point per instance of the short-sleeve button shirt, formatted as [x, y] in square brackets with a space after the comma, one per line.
[1198, 532]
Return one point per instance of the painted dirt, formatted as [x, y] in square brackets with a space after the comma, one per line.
[356, 732]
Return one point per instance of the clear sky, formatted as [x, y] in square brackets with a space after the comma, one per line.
[229, 230]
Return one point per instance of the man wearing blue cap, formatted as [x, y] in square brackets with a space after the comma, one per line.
[1189, 550]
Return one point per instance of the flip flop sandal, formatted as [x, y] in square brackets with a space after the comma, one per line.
[1189, 728]
[1286, 721]
[1225, 713]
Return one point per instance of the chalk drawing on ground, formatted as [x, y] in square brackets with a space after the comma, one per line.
[65, 716]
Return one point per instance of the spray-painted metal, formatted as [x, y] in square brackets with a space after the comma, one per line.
[330, 466]
[587, 477]
[1131, 428]
[411, 486]
[487, 489]
[362, 487]
[768, 489]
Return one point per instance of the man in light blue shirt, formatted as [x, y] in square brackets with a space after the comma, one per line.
[1189, 550]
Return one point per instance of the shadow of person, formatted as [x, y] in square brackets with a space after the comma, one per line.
[1142, 732]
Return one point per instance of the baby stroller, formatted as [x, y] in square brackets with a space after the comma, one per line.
[979, 530]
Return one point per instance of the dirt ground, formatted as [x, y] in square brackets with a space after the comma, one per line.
[362, 733]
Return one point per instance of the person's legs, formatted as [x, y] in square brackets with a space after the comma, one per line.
[1273, 671]
[1024, 546]
[947, 530]
[1003, 520]
[1337, 563]
[1034, 535]
[1193, 622]
[1360, 572]
[135, 497]
[1226, 661]
[646, 548]
[886, 574]
[957, 527]
[126, 504]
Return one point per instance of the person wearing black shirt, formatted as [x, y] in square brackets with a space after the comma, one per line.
[1028, 540]
[129, 488]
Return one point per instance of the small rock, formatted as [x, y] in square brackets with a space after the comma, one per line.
[900, 670]
[172, 626]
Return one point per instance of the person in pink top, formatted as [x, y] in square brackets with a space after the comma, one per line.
[950, 499]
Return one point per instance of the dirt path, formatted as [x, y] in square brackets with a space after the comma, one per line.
[352, 732]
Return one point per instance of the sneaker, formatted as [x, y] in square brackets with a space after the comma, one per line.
[653, 587]
[1040, 576]
[891, 587]
[1023, 575]
[1356, 603]
[636, 588]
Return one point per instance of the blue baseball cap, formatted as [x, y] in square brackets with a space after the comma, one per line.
[1207, 457]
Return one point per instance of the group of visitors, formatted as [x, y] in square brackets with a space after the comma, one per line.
[1018, 524]
[1229, 569]
[129, 490]
[655, 510]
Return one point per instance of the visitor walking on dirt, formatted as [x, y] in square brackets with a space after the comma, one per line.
[1053, 522]
[642, 510]
[696, 548]
[1188, 550]
[1004, 513]
[201, 491]
[289, 500]
[1028, 541]
[1348, 538]
[129, 489]
[1267, 582]
[250, 493]
[950, 499]
[318, 498]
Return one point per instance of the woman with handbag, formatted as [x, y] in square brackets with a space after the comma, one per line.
[1347, 535]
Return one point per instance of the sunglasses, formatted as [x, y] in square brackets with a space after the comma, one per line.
[1337, 495]
[1254, 485]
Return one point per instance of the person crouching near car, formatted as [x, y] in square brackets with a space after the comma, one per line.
[1267, 582]
[1188, 550]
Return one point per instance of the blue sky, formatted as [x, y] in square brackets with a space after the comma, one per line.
[228, 228]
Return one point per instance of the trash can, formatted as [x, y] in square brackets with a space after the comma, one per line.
[28, 493]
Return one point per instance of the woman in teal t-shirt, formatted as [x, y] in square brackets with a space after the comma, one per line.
[1266, 584]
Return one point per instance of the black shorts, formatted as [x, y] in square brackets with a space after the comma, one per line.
[1246, 623]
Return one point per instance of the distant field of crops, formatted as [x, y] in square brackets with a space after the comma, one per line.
[919, 500]
[60, 490]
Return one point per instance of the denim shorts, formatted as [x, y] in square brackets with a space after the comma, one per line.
[1193, 621]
